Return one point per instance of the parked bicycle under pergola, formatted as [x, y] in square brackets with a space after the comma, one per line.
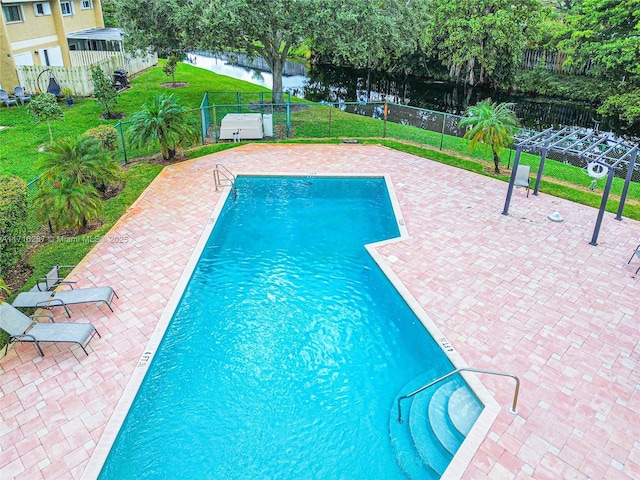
[602, 152]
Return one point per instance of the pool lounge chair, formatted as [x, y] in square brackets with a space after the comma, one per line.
[24, 329]
[63, 298]
[53, 279]
[636, 253]
[522, 177]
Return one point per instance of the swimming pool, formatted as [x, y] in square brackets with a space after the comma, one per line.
[288, 347]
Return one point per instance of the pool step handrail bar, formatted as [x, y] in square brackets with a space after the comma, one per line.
[464, 369]
[222, 177]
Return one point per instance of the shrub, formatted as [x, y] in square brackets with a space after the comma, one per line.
[165, 120]
[68, 205]
[169, 68]
[13, 220]
[106, 135]
[79, 160]
[105, 94]
[45, 108]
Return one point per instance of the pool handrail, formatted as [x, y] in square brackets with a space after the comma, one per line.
[464, 369]
[229, 179]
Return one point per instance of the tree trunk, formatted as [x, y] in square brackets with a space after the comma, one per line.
[277, 67]
[275, 52]
[496, 161]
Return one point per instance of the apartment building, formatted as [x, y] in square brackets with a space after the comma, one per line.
[49, 33]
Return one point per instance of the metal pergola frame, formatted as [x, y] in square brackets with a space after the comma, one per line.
[593, 147]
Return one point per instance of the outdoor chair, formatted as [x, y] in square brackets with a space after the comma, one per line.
[522, 177]
[6, 99]
[63, 298]
[24, 329]
[21, 95]
[53, 279]
[636, 253]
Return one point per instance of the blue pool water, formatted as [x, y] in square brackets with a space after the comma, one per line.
[287, 349]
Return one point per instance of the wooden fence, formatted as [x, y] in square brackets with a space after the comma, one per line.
[552, 61]
[81, 58]
[78, 78]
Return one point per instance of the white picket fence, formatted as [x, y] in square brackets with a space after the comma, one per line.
[78, 78]
[81, 58]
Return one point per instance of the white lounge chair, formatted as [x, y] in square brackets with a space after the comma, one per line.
[53, 279]
[636, 253]
[62, 298]
[24, 329]
[522, 177]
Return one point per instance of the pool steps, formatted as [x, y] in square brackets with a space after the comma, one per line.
[438, 420]
[463, 410]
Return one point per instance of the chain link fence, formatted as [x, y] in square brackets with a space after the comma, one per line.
[306, 120]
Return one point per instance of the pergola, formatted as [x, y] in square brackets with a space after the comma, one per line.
[599, 150]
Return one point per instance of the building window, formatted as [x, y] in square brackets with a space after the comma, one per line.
[42, 8]
[87, 4]
[67, 7]
[12, 13]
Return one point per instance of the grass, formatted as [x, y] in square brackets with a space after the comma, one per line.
[19, 152]
[317, 123]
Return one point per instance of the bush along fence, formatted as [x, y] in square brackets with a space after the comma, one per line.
[377, 120]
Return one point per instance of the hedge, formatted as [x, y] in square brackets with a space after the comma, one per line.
[13, 220]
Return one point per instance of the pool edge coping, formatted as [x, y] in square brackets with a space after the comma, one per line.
[100, 453]
[481, 427]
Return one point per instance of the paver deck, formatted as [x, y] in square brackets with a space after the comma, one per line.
[517, 293]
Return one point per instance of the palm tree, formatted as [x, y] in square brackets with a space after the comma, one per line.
[4, 290]
[164, 120]
[68, 204]
[81, 161]
[491, 124]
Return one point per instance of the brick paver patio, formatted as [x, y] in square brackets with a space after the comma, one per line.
[517, 293]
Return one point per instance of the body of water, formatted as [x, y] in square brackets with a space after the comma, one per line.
[339, 84]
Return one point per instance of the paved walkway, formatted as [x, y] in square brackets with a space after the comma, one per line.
[517, 293]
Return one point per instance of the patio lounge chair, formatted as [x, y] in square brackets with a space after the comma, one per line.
[636, 253]
[522, 177]
[63, 298]
[21, 95]
[53, 279]
[23, 329]
[6, 99]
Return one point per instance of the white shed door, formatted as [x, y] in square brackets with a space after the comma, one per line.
[51, 57]
[25, 58]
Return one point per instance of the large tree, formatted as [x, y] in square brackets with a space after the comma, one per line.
[606, 33]
[368, 33]
[480, 41]
[266, 28]
[167, 27]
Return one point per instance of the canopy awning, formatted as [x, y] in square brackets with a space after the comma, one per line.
[108, 34]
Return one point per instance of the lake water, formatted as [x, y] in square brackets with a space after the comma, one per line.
[339, 84]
